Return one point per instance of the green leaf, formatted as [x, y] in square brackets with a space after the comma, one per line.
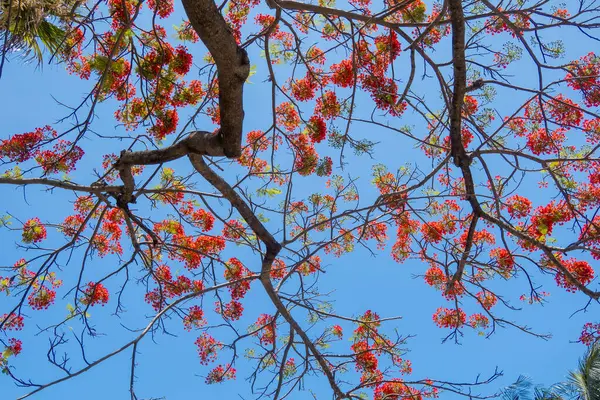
[270, 192]
[251, 74]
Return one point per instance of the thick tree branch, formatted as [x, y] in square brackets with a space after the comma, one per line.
[233, 68]
[53, 183]
[457, 149]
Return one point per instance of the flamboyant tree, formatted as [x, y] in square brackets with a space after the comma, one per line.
[459, 137]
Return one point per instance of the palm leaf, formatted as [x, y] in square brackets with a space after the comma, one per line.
[586, 379]
[31, 32]
[519, 390]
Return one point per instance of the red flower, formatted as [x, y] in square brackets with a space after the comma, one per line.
[12, 322]
[336, 330]
[447, 318]
[33, 231]
[518, 206]
[194, 318]
[220, 374]
[20, 148]
[41, 298]
[163, 8]
[95, 293]
[328, 106]
[207, 348]
[343, 73]
[182, 61]
[287, 116]
[581, 271]
[317, 129]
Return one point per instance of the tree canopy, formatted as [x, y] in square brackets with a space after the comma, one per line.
[217, 166]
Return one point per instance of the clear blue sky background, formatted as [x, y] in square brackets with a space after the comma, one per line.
[170, 367]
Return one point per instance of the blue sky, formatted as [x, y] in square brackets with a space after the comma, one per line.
[358, 282]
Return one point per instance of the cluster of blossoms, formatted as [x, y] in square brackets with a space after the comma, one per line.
[505, 262]
[396, 389]
[14, 348]
[62, 157]
[190, 250]
[237, 16]
[95, 293]
[11, 322]
[518, 22]
[265, 327]
[590, 333]
[369, 345]
[33, 231]
[208, 348]
[584, 75]
[449, 318]
[220, 373]
[194, 318]
[581, 272]
[107, 238]
[543, 220]
[169, 287]
[42, 289]
[436, 32]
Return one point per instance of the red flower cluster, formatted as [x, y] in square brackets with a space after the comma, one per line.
[237, 15]
[584, 75]
[95, 293]
[478, 321]
[543, 221]
[287, 116]
[231, 311]
[581, 271]
[304, 89]
[267, 326]
[194, 319]
[519, 21]
[336, 330]
[33, 231]
[12, 322]
[234, 230]
[41, 298]
[207, 348]
[235, 270]
[61, 158]
[13, 349]
[518, 206]
[504, 260]
[590, 333]
[447, 318]
[278, 269]
[487, 299]
[310, 266]
[198, 217]
[328, 106]
[220, 374]
[540, 141]
[20, 148]
[343, 74]
[436, 278]
[317, 129]
[565, 111]
[306, 159]
[163, 8]
[397, 390]
[170, 288]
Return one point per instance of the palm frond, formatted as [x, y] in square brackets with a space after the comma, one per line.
[519, 390]
[30, 30]
[586, 379]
